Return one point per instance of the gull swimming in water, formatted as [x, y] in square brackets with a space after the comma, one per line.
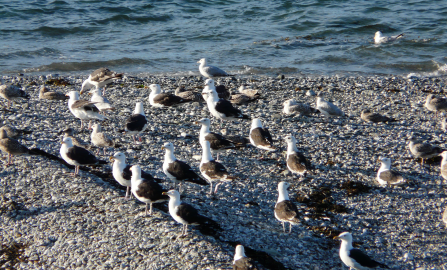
[379, 38]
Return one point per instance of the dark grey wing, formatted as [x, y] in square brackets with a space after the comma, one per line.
[169, 99]
[152, 191]
[85, 104]
[127, 174]
[390, 176]
[183, 172]
[214, 169]
[136, 122]
[81, 155]
[363, 259]
[223, 92]
[244, 263]
[298, 163]
[218, 142]
[261, 137]
[286, 210]
[188, 213]
[225, 107]
[104, 74]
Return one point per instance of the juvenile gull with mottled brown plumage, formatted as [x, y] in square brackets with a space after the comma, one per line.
[260, 137]
[100, 78]
[285, 210]
[296, 161]
[11, 146]
[100, 139]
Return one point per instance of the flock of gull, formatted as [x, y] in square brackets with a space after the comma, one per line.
[220, 103]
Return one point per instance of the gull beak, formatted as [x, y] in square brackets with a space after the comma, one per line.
[197, 122]
[198, 61]
[89, 93]
[336, 237]
[67, 95]
[164, 193]
[163, 148]
[111, 158]
[292, 186]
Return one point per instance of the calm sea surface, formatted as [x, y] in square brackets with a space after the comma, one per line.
[243, 37]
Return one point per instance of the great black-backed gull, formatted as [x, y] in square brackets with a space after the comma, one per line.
[242, 262]
[435, 104]
[44, 93]
[83, 109]
[146, 190]
[379, 38]
[296, 161]
[185, 213]
[385, 176]
[13, 132]
[260, 137]
[137, 122]
[12, 93]
[12, 147]
[368, 116]
[178, 171]
[355, 258]
[212, 170]
[291, 106]
[218, 143]
[102, 103]
[210, 71]
[100, 78]
[221, 108]
[188, 94]
[285, 210]
[77, 156]
[68, 132]
[100, 139]
[122, 174]
[327, 108]
[161, 100]
[444, 165]
[423, 150]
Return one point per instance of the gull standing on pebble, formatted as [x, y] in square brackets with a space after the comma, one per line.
[327, 108]
[12, 147]
[100, 139]
[210, 71]
[12, 93]
[100, 78]
[435, 104]
[385, 176]
[102, 103]
[137, 122]
[285, 210]
[83, 109]
[423, 150]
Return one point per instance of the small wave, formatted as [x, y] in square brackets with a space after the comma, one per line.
[63, 31]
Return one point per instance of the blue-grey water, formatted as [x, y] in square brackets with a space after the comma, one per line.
[243, 37]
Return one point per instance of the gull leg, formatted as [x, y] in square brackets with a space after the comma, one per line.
[145, 212]
[9, 160]
[180, 188]
[211, 188]
[215, 189]
[290, 227]
[150, 210]
[127, 194]
[90, 124]
[283, 226]
[139, 138]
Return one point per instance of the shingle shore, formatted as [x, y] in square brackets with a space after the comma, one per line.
[61, 222]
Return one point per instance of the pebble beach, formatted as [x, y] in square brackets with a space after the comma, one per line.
[52, 220]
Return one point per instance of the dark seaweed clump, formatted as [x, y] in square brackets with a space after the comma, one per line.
[353, 188]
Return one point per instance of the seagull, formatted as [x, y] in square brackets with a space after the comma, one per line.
[244, 96]
[260, 137]
[179, 171]
[190, 95]
[12, 93]
[44, 93]
[137, 122]
[13, 132]
[68, 132]
[161, 100]
[444, 216]
[379, 38]
[385, 176]
[327, 108]
[221, 108]
[102, 103]
[83, 109]
[218, 143]
[355, 258]
[249, 92]
[368, 116]
[12, 147]
[210, 71]
[185, 213]
[122, 174]
[242, 262]
[296, 161]
[285, 210]
[100, 139]
[100, 78]
[435, 104]
[77, 156]
[213, 170]
[291, 106]
[423, 150]
[146, 190]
